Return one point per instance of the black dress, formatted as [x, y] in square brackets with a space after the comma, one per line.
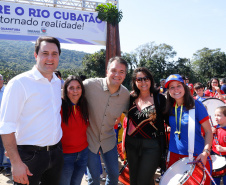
[143, 147]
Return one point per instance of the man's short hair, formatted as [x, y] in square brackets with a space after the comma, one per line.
[47, 39]
[223, 80]
[198, 85]
[1, 76]
[162, 80]
[119, 60]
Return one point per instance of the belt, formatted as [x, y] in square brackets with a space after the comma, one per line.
[38, 148]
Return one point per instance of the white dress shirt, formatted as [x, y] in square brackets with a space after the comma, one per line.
[31, 108]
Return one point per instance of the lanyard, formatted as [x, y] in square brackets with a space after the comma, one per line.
[74, 109]
[181, 110]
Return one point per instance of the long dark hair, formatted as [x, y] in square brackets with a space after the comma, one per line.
[148, 74]
[189, 102]
[214, 78]
[67, 104]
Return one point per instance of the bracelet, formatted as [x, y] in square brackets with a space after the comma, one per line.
[207, 151]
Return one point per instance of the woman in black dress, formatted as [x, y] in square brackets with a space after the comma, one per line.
[145, 136]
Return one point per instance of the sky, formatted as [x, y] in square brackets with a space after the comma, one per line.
[186, 25]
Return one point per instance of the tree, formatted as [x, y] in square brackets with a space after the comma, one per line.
[132, 64]
[94, 64]
[183, 67]
[156, 58]
[151, 51]
[112, 16]
[208, 63]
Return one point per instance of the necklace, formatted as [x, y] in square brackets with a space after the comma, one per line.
[144, 102]
[75, 109]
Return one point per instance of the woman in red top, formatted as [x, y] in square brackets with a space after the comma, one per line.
[214, 90]
[74, 115]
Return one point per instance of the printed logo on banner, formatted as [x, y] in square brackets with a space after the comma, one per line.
[37, 32]
[43, 30]
[33, 32]
[5, 29]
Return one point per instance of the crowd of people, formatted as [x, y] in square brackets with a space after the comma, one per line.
[55, 131]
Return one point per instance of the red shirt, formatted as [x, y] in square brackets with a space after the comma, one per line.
[74, 134]
[210, 93]
[221, 136]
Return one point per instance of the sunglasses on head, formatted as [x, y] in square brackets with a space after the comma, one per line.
[140, 79]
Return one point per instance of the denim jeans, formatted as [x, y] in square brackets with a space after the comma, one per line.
[45, 166]
[111, 163]
[101, 170]
[74, 167]
[4, 162]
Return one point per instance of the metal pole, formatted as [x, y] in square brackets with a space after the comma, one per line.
[55, 3]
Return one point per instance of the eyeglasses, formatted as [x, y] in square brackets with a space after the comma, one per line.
[214, 82]
[140, 79]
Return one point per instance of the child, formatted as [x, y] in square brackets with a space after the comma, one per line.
[220, 116]
[199, 90]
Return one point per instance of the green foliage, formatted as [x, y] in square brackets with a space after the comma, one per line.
[132, 64]
[109, 13]
[18, 56]
[11, 69]
[157, 58]
[70, 59]
[208, 63]
[151, 50]
[94, 65]
[22, 53]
